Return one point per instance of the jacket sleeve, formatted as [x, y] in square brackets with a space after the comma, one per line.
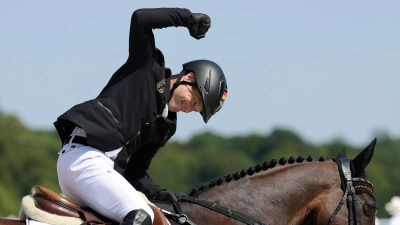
[135, 172]
[141, 39]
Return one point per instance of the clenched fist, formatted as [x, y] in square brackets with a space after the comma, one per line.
[199, 25]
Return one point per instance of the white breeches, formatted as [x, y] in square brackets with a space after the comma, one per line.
[87, 177]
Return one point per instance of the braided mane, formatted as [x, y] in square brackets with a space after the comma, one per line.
[252, 170]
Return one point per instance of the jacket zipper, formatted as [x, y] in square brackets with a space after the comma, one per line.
[109, 111]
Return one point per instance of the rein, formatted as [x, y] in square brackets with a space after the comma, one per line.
[183, 219]
[349, 191]
[223, 210]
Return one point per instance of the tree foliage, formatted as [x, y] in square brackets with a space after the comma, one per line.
[29, 157]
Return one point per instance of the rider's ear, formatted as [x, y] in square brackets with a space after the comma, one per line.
[190, 77]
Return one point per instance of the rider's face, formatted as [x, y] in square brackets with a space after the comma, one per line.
[186, 98]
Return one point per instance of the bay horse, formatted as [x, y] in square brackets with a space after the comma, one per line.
[293, 191]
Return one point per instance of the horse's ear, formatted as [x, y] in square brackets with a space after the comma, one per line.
[362, 160]
[342, 154]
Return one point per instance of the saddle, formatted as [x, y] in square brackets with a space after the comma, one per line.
[54, 203]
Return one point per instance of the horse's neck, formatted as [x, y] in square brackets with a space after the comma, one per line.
[283, 190]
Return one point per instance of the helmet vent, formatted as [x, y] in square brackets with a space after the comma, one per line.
[207, 82]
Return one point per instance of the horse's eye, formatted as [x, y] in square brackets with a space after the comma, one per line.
[370, 210]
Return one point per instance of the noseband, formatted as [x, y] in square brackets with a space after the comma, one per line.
[350, 191]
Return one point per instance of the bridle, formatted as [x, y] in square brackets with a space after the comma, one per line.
[350, 191]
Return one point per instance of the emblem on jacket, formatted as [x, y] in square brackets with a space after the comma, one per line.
[160, 86]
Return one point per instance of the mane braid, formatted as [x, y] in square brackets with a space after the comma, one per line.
[252, 170]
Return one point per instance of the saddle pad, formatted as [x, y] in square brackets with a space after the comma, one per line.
[29, 210]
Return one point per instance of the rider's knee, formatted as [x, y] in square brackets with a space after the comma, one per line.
[138, 217]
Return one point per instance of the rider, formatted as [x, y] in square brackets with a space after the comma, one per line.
[132, 117]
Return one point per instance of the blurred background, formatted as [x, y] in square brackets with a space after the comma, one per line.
[304, 78]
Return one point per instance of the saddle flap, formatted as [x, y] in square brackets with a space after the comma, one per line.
[39, 190]
[50, 206]
[49, 201]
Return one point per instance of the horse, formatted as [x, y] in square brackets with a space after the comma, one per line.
[295, 191]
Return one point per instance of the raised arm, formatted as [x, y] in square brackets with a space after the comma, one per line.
[141, 38]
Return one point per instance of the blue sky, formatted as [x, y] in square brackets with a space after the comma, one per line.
[324, 69]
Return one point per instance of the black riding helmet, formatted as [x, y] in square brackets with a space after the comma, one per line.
[211, 82]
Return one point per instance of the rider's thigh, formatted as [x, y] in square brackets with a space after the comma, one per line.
[87, 177]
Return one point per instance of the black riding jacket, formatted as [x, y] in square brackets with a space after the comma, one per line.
[127, 112]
